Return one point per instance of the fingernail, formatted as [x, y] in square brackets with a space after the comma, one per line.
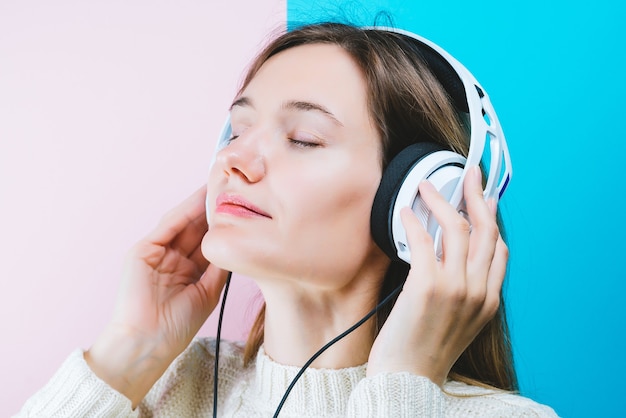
[427, 184]
[478, 175]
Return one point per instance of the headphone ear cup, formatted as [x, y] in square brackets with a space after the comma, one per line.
[390, 184]
[398, 189]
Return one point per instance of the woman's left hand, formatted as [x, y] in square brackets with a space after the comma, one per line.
[444, 303]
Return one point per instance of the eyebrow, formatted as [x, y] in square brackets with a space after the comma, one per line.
[299, 105]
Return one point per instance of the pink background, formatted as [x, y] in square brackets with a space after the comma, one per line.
[109, 111]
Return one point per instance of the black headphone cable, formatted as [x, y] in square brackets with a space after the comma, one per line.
[217, 343]
[388, 299]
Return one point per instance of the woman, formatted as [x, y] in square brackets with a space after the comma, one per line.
[320, 114]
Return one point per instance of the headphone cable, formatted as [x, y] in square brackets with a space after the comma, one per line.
[217, 343]
[333, 341]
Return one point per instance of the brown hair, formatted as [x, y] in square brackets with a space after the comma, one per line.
[407, 105]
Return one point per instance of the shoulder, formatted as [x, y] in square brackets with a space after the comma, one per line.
[191, 375]
[202, 351]
[469, 400]
[198, 359]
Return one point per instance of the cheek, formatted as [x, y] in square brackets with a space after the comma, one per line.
[330, 208]
[334, 240]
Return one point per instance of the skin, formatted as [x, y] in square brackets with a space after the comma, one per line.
[307, 158]
[317, 265]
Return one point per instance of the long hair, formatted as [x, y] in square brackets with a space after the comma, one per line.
[407, 105]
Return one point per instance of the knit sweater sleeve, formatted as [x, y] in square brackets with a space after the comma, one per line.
[75, 391]
[408, 395]
[184, 390]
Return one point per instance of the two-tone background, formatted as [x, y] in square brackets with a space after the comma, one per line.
[109, 111]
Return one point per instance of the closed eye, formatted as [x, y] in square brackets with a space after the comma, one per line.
[304, 144]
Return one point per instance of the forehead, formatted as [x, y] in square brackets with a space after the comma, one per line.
[320, 73]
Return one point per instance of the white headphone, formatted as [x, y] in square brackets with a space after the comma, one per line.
[419, 161]
[426, 160]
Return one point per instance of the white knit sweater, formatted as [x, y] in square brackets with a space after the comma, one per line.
[186, 390]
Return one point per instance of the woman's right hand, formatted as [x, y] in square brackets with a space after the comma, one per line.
[168, 291]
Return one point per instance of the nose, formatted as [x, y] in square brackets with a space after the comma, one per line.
[242, 159]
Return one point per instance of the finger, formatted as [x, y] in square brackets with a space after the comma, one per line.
[211, 283]
[455, 229]
[497, 272]
[485, 231]
[423, 258]
[190, 238]
[198, 258]
[196, 301]
[190, 212]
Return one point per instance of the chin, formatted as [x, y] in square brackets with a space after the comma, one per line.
[217, 251]
[241, 256]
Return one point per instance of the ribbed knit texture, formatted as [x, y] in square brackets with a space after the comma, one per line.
[186, 390]
[75, 391]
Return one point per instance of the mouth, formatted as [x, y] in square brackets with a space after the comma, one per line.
[238, 206]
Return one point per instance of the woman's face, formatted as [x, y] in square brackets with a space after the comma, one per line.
[291, 195]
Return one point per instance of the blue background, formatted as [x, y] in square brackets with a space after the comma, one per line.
[555, 74]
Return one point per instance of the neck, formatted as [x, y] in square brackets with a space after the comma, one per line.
[298, 322]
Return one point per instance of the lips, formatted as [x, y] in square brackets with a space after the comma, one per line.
[238, 206]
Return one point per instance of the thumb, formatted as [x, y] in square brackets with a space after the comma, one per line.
[211, 284]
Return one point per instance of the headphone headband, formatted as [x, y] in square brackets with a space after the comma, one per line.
[484, 123]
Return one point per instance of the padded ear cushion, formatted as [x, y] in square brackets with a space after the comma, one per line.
[390, 183]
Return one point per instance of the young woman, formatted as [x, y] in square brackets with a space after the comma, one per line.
[322, 111]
